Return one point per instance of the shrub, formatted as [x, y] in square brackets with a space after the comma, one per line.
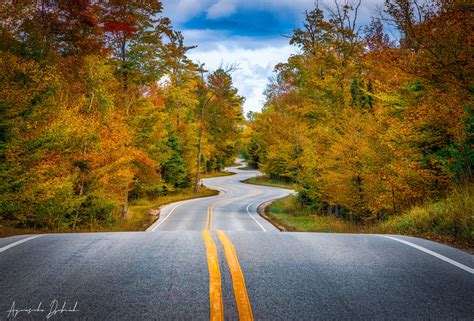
[452, 216]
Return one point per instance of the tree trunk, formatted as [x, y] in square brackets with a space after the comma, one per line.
[198, 163]
[124, 211]
[125, 206]
[198, 167]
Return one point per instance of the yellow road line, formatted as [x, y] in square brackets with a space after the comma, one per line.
[207, 220]
[215, 289]
[240, 291]
[210, 215]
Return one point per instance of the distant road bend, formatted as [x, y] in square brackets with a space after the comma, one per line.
[216, 258]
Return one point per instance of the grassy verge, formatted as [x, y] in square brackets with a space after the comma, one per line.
[266, 181]
[138, 219]
[288, 213]
[216, 174]
[449, 221]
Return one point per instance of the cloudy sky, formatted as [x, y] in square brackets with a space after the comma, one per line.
[244, 32]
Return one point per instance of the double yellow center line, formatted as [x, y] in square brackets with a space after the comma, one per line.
[209, 214]
[215, 287]
[240, 291]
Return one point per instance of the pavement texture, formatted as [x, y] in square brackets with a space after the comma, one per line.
[162, 274]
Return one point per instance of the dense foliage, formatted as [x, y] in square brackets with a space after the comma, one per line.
[368, 126]
[99, 105]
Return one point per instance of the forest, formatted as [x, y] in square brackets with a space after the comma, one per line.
[373, 127]
[100, 106]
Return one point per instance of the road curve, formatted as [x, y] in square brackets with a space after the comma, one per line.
[235, 208]
[211, 258]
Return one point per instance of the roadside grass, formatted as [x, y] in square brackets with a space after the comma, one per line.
[449, 221]
[288, 213]
[138, 218]
[266, 181]
[216, 174]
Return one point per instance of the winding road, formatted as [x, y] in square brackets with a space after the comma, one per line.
[216, 258]
[235, 209]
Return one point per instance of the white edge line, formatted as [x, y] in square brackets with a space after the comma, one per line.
[248, 206]
[164, 219]
[2, 249]
[153, 228]
[437, 255]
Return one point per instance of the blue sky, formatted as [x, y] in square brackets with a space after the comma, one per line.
[244, 32]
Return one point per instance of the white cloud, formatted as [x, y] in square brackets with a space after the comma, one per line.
[203, 37]
[222, 8]
[254, 67]
[182, 10]
[255, 56]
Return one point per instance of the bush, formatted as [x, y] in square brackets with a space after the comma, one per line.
[452, 216]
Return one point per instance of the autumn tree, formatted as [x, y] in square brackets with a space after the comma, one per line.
[367, 125]
[98, 105]
[220, 117]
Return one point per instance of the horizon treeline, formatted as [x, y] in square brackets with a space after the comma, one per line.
[366, 125]
[100, 105]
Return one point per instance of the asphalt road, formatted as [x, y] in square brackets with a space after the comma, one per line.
[235, 208]
[184, 268]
